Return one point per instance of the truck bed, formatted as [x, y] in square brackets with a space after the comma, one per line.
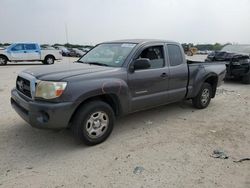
[197, 68]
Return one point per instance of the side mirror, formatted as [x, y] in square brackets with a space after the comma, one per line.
[142, 63]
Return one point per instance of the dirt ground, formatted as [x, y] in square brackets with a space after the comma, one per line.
[169, 146]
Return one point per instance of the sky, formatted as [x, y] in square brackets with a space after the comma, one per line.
[95, 21]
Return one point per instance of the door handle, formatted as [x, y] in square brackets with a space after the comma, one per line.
[164, 75]
[24, 51]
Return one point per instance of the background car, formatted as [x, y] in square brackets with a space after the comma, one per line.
[64, 51]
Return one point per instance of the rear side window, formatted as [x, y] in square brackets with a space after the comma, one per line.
[175, 55]
[18, 47]
[155, 55]
[30, 46]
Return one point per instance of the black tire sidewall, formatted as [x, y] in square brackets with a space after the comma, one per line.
[79, 123]
[5, 60]
[197, 100]
[46, 60]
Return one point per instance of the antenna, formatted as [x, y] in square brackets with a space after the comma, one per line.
[67, 38]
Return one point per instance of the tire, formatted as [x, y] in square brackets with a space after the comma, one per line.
[246, 79]
[203, 98]
[93, 122]
[3, 60]
[49, 60]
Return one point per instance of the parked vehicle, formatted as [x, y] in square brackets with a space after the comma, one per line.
[237, 61]
[112, 80]
[63, 50]
[79, 53]
[28, 52]
[74, 52]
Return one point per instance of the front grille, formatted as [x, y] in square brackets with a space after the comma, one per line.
[23, 85]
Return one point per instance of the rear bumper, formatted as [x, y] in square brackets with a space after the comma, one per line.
[43, 115]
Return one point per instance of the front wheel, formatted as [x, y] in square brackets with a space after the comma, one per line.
[93, 122]
[203, 98]
[3, 60]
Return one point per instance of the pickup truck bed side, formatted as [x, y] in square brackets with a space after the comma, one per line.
[200, 72]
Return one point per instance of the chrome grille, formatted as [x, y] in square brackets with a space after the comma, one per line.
[23, 85]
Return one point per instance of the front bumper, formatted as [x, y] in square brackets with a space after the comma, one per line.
[42, 115]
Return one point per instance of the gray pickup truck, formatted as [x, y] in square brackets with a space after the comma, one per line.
[111, 80]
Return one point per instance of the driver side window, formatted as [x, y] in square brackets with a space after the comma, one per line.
[18, 47]
[155, 55]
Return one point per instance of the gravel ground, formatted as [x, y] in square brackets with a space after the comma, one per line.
[169, 146]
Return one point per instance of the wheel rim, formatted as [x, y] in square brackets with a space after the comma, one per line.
[205, 96]
[97, 124]
[2, 61]
[50, 60]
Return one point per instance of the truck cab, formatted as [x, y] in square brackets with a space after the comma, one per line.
[24, 51]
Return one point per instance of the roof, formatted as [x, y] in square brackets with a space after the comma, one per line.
[237, 48]
[137, 41]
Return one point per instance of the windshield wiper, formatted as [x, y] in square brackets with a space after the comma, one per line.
[79, 61]
[96, 63]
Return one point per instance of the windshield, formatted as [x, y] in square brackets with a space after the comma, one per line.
[245, 49]
[110, 54]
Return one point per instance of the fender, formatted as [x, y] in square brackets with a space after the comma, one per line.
[200, 80]
[4, 55]
[95, 88]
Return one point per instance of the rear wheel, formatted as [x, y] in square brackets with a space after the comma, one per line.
[93, 122]
[49, 60]
[203, 98]
[3, 60]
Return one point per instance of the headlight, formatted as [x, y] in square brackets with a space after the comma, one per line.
[50, 90]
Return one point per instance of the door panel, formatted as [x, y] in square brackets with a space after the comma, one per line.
[178, 82]
[32, 52]
[149, 87]
[178, 69]
[17, 52]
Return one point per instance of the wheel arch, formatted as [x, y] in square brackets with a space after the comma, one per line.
[212, 79]
[2, 55]
[110, 98]
[49, 55]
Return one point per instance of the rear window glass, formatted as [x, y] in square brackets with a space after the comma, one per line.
[30, 46]
[175, 55]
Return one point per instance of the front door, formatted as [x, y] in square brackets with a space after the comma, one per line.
[149, 87]
[17, 52]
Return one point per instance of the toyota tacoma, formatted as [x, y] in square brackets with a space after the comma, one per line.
[112, 80]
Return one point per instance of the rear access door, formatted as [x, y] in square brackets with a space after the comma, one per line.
[178, 72]
[32, 52]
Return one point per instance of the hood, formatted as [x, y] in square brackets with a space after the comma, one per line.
[65, 70]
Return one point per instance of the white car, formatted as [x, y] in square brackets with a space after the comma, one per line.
[28, 52]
